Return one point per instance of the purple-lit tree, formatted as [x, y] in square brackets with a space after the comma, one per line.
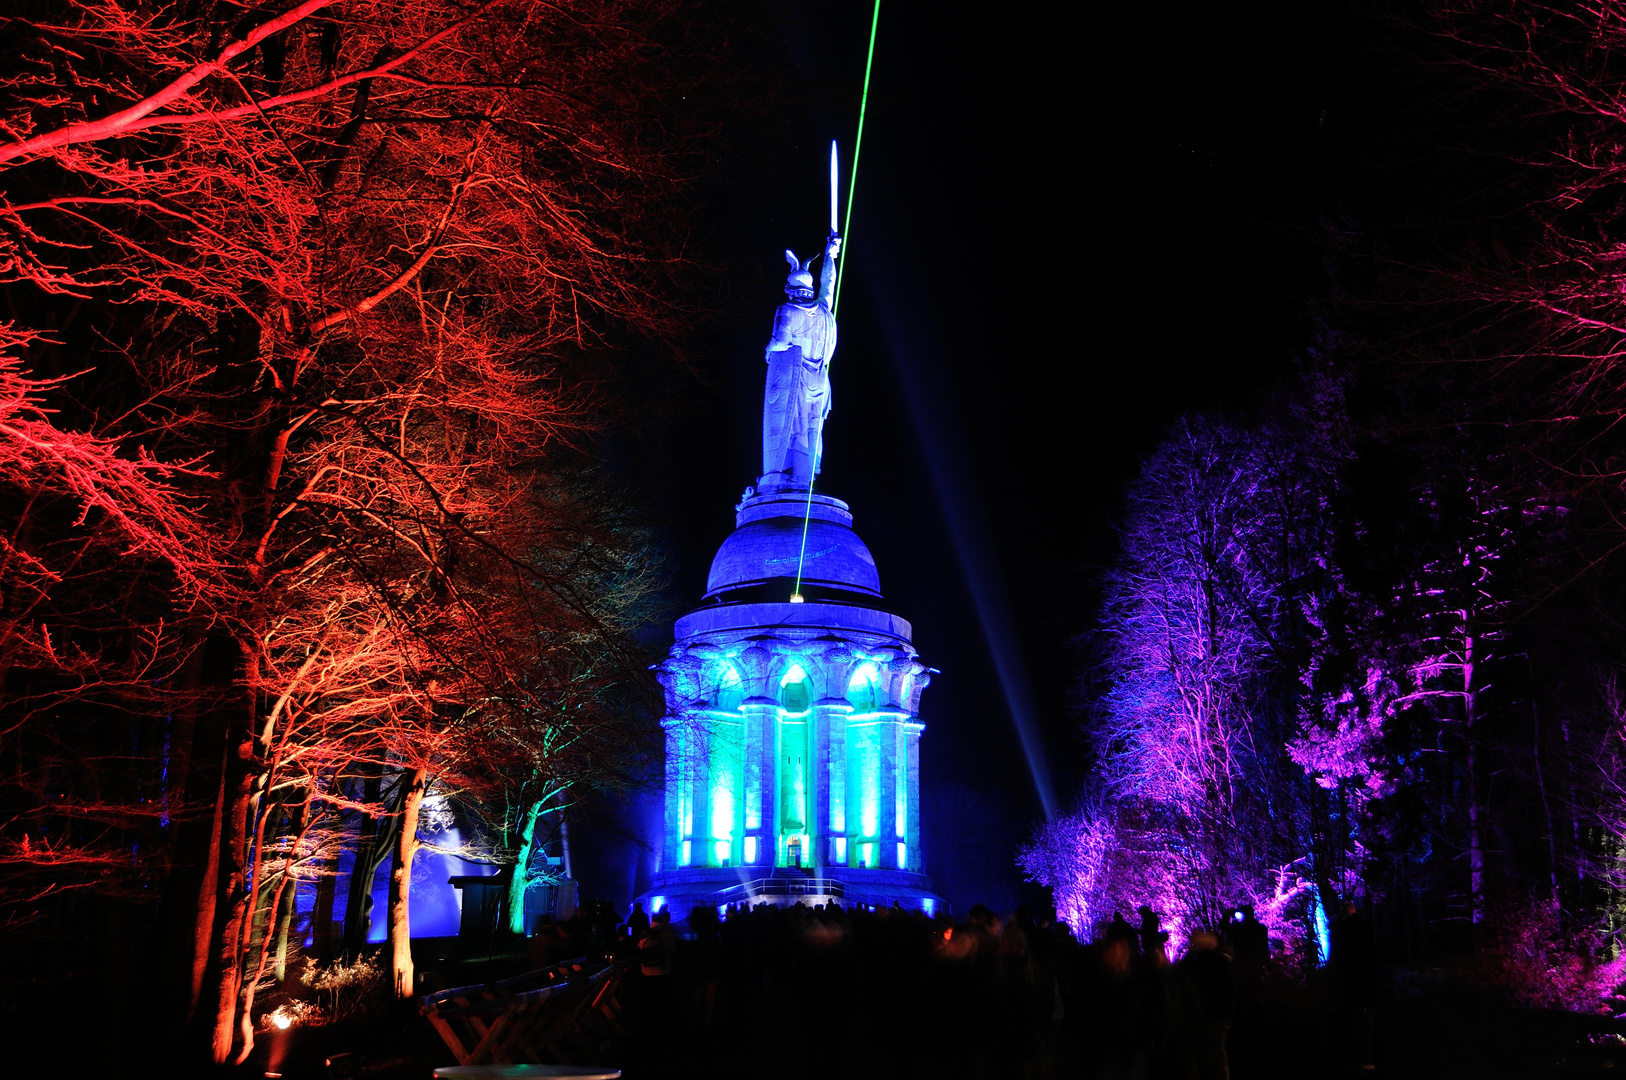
[1205, 631]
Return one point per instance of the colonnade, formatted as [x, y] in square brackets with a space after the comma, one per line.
[789, 781]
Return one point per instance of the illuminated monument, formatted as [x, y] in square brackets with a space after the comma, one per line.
[792, 697]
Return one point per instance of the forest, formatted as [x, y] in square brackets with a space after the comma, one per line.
[319, 322]
[1362, 640]
[312, 314]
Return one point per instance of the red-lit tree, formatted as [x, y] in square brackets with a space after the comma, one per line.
[344, 263]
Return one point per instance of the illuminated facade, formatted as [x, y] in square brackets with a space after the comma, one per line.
[792, 728]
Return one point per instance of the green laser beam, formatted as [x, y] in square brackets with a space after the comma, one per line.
[858, 146]
[846, 225]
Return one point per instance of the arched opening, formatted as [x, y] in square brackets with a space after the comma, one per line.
[795, 692]
[724, 689]
[864, 689]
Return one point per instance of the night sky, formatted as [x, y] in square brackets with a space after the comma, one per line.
[1069, 230]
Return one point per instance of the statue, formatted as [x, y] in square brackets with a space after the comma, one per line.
[797, 398]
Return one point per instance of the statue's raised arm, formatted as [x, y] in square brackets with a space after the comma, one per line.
[797, 397]
[827, 274]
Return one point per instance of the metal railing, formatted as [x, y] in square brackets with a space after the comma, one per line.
[786, 886]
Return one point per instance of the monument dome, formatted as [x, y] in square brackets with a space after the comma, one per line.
[776, 533]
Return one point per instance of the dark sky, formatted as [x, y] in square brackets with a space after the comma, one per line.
[1071, 226]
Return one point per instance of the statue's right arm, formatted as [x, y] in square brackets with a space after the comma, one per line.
[827, 273]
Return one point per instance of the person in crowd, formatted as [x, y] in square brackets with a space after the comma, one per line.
[1018, 997]
[638, 921]
[1250, 953]
[1119, 1012]
[1151, 933]
[1208, 972]
[656, 952]
[1353, 961]
[1352, 957]
[705, 972]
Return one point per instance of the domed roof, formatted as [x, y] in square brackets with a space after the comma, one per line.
[766, 545]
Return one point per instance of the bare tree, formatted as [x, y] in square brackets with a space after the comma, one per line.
[352, 255]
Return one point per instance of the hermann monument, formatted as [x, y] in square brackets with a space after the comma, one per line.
[792, 695]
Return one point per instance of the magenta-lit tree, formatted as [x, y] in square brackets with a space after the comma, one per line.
[1204, 632]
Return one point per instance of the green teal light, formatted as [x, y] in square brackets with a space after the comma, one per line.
[866, 756]
[863, 690]
[722, 810]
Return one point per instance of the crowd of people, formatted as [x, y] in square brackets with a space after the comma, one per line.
[852, 991]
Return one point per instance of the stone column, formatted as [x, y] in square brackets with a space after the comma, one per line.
[917, 857]
[741, 781]
[830, 780]
[886, 842]
[762, 776]
[698, 834]
[672, 833]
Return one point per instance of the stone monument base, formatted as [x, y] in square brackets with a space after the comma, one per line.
[681, 891]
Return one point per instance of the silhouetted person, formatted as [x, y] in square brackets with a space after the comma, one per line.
[1354, 966]
[1208, 971]
[1018, 999]
[979, 938]
[1151, 936]
[638, 922]
[655, 953]
[1352, 958]
[1119, 928]
[706, 966]
[1122, 1010]
[1250, 952]
[1250, 941]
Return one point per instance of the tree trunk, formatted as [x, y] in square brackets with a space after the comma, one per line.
[522, 866]
[327, 889]
[1553, 899]
[184, 733]
[283, 916]
[406, 846]
[1476, 796]
[283, 892]
[372, 840]
[203, 926]
[234, 860]
[564, 845]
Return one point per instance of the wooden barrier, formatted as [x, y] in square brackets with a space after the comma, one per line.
[567, 1014]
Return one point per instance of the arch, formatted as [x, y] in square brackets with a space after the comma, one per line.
[864, 689]
[795, 690]
[723, 689]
